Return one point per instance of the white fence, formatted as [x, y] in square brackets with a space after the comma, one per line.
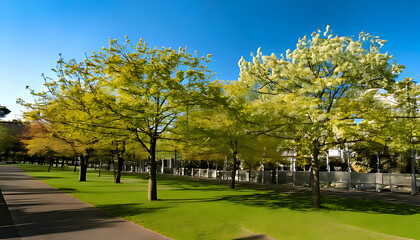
[394, 182]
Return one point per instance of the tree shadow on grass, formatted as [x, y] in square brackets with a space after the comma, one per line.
[272, 200]
[189, 183]
[46, 177]
[302, 202]
[281, 197]
[182, 187]
[128, 209]
[67, 190]
[369, 206]
[188, 200]
[254, 237]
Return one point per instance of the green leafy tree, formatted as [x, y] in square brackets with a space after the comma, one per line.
[404, 113]
[319, 88]
[146, 90]
[403, 130]
[393, 128]
[65, 113]
[211, 135]
[4, 111]
[10, 144]
[226, 132]
[131, 91]
[37, 141]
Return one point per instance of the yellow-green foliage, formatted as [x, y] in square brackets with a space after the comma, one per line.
[321, 87]
[38, 141]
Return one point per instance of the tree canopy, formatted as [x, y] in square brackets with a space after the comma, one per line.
[4, 111]
[126, 91]
[319, 89]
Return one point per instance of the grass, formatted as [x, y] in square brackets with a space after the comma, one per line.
[197, 209]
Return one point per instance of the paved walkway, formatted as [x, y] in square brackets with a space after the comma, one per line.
[42, 212]
[8, 229]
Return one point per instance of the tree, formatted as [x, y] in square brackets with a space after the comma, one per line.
[3, 111]
[403, 116]
[146, 90]
[395, 129]
[10, 143]
[319, 89]
[132, 91]
[212, 135]
[40, 142]
[226, 132]
[65, 112]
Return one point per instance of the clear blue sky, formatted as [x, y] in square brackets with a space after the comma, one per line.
[33, 33]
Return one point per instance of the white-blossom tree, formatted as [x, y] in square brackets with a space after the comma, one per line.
[319, 89]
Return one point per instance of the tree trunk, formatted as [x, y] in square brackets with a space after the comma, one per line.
[6, 156]
[49, 166]
[316, 194]
[100, 166]
[273, 176]
[119, 151]
[83, 168]
[113, 169]
[152, 189]
[235, 164]
[62, 162]
[75, 164]
[232, 185]
[120, 166]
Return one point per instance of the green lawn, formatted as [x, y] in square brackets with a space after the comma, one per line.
[194, 209]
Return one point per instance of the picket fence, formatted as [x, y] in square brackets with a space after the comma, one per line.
[394, 182]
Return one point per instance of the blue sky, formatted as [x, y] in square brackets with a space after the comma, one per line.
[33, 33]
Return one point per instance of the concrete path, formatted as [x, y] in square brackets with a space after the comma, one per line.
[42, 212]
[8, 229]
